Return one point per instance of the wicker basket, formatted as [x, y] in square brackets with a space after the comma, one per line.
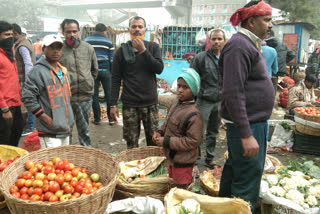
[212, 191]
[95, 161]
[305, 129]
[7, 153]
[308, 117]
[157, 191]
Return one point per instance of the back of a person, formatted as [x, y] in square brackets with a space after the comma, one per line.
[37, 48]
[257, 81]
[270, 55]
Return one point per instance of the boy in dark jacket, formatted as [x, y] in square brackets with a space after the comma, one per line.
[180, 135]
[47, 95]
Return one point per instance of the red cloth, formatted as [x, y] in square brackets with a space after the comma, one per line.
[180, 175]
[260, 9]
[10, 92]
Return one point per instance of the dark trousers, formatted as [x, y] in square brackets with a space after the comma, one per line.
[132, 118]
[241, 175]
[104, 76]
[10, 132]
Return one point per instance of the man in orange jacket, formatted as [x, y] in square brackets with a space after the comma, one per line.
[11, 121]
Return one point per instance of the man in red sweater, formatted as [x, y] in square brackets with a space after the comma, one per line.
[11, 121]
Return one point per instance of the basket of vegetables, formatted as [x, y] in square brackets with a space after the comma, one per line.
[72, 184]
[8, 154]
[308, 120]
[144, 172]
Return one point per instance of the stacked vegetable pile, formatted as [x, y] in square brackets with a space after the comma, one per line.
[284, 98]
[298, 182]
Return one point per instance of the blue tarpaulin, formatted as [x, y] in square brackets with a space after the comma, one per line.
[172, 69]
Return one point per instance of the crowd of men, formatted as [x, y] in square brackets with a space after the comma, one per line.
[62, 86]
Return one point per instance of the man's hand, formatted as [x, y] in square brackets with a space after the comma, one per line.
[250, 146]
[139, 45]
[155, 137]
[45, 118]
[159, 141]
[7, 116]
[114, 113]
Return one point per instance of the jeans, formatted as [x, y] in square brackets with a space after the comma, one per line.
[10, 132]
[104, 76]
[241, 176]
[210, 123]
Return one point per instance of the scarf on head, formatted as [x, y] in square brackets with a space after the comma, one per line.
[6, 45]
[260, 9]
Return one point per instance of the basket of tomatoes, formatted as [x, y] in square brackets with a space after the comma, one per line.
[307, 120]
[8, 154]
[66, 179]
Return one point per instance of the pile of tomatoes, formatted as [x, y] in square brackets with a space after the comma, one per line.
[55, 180]
[308, 111]
[6, 163]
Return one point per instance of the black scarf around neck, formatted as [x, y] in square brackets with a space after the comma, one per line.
[6, 45]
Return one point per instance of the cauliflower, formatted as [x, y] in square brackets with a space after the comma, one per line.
[288, 184]
[300, 181]
[295, 196]
[305, 206]
[191, 205]
[312, 201]
[313, 181]
[272, 179]
[296, 173]
[278, 191]
[314, 191]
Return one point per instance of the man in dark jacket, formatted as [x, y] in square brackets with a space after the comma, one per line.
[136, 64]
[209, 97]
[26, 58]
[247, 102]
[314, 65]
[80, 60]
[104, 51]
[285, 55]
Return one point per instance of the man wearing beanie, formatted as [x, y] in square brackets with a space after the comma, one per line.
[247, 102]
[180, 135]
[11, 121]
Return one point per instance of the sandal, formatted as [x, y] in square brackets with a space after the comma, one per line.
[271, 150]
[112, 122]
[211, 165]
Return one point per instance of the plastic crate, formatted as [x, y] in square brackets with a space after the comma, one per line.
[180, 40]
[306, 144]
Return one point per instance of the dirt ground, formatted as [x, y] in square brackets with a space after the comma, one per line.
[109, 139]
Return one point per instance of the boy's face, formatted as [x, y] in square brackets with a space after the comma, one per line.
[53, 52]
[184, 91]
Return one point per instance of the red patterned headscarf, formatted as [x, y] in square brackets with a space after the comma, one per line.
[260, 9]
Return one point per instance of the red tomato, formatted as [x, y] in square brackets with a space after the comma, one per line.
[66, 166]
[16, 194]
[53, 198]
[42, 197]
[37, 191]
[29, 164]
[44, 162]
[78, 189]
[3, 166]
[56, 159]
[59, 165]
[14, 189]
[20, 182]
[33, 170]
[85, 191]
[81, 183]
[68, 189]
[47, 196]
[25, 196]
[45, 188]
[30, 191]
[16, 157]
[27, 175]
[291, 150]
[67, 177]
[88, 185]
[48, 169]
[59, 179]
[77, 194]
[54, 187]
[83, 170]
[284, 148]
[24, 190]
[75, 172]
[73, 183]
[65, 161]
[72, 197]
[35, 198]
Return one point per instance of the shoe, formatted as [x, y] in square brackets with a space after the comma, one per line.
[96, 122]
[210, 165]
[112, 122]
[26, 132]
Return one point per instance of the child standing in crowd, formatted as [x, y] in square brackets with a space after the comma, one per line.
[47, 95]
[180, 135]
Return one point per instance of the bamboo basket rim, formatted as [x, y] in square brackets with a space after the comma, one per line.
[308, 130]
[65, 152]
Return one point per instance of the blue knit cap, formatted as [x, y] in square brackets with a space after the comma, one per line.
[192, 78]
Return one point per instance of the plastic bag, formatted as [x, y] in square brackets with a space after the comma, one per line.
[32, 142]
[201, 38]
[280, 136]
[143, 205]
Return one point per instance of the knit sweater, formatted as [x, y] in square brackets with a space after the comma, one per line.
[139, 78]
[247, 90]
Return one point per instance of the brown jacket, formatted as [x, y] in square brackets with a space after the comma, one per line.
[182, 134]
[20, 64]
[300, 96]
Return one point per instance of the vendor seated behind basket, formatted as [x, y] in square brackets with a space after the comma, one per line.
[180, 135]
[302, 95]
